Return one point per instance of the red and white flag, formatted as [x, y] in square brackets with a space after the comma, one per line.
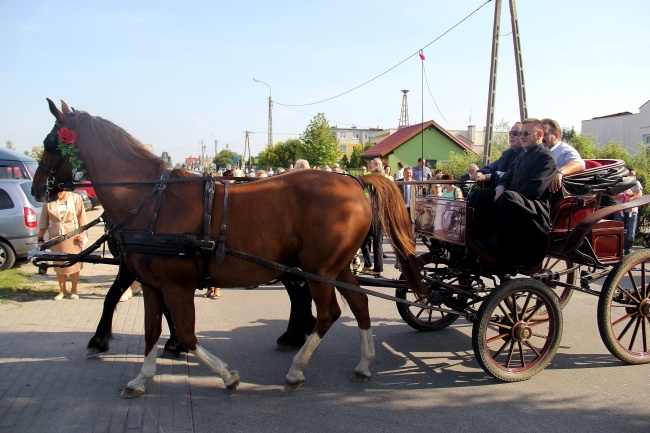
[422, 56]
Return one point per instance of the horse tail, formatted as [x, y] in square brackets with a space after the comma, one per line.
[387, 203]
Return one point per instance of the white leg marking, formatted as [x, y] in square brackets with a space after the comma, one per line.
[147, 372]
[216, 365]
[302, 358]
[367, 352]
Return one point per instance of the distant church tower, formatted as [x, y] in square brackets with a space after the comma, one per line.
[404, 116]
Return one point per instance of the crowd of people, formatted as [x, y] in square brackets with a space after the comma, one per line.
[514, 197]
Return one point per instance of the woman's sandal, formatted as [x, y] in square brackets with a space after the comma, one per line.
[59, 296]
[74, 297]
[209, 293]
[216, 293]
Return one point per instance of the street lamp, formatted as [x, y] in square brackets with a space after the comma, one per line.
[270, 144]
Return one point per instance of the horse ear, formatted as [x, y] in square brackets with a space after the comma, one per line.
[64, 107]
[55, 111]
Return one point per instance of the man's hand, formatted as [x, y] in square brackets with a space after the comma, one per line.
[478, 177]
[556, 183]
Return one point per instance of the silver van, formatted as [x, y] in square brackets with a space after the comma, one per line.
[16, 165]
[19, 215]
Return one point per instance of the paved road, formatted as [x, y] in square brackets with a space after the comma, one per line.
[421, 382]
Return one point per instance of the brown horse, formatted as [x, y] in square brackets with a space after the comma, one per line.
[308, 219]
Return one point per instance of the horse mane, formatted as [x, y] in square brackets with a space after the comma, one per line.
[117, 139]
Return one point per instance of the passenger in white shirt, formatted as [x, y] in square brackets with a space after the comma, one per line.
[567, 157]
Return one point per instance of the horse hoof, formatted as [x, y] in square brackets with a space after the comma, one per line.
[292, 385]
[234, 382]
[129, 392]
[171, 353]
[94, 351]
[358, 377]
[232, 387]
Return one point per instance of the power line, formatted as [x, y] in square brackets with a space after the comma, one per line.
[390, 69]
[431, 94]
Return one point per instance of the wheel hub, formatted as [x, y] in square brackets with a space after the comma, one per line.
[644, 308]
[521, 331]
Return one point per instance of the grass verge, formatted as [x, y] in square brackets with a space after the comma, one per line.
[16, 285]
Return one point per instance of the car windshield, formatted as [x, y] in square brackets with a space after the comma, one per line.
[27, 188]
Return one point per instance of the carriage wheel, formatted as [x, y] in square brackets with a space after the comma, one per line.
[563, 293]
[557, 265]
[511, 342]
[421, 318]
[624, 309]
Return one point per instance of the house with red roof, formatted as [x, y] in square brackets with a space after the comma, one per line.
[408, 144]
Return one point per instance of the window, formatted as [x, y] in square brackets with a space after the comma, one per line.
[367, 136]
[356, 135]
[343, 148]
[341, 134]
[5, 200]
[646, 139]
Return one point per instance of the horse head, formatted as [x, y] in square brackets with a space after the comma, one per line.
[54, 172]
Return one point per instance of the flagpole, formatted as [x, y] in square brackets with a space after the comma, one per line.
[422, 105]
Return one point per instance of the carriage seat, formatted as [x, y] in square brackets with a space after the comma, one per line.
[607, 176]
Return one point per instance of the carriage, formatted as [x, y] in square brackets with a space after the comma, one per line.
[516, 312]
[517, 322]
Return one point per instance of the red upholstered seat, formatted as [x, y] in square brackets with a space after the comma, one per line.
[591, 163]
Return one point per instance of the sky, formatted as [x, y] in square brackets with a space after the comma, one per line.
[177, 74]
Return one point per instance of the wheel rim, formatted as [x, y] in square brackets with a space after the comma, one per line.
[517, 338]
[3, 256]
[428, 318]
[630, 311]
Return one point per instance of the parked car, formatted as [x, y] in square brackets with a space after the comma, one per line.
[19, 214]
[15, 165]
[88, 204]
[87, 186]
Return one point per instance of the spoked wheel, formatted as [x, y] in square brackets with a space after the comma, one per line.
[553, 265]
[420, 318]
[557, 265]
[511, 342]
[624, 309]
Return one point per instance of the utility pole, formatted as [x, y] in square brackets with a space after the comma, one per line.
[202, 159]
[270, 138]
[521, 87]
[247, 148]
[523, 108]
[489, 124]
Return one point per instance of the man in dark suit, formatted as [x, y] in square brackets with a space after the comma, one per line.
[491, 173]
[513, 221]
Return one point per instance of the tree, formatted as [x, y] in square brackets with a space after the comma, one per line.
[225, 157]
[500, 139]
[586, 145]
[345, 162]
[10, 145]
[37, 152]
[319, 146]
[616, 150]
[568, 133]
[355, 157]
[458, 163]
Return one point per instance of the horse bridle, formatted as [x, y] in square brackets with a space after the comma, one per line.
[51, 144]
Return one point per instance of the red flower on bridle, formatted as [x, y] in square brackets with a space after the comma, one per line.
[67, 136]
